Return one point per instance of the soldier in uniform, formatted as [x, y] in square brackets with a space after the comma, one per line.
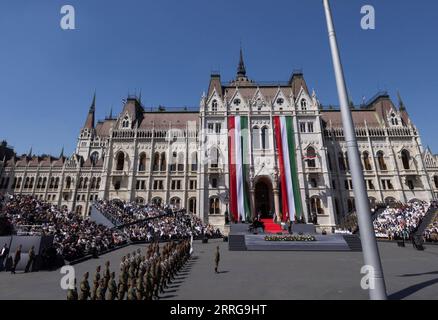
[112, 287]
[100, 292]
[217, 258]
[72, 294]
[147, 283]
[122, 287]
[85, 288]
[131, 290]
[31, 260]
[139, 289]
[95, 283]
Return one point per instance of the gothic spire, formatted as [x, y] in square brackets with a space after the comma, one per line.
[30, 153]
[400, 102]
[62, 153]
[89, 123]
[241, 71]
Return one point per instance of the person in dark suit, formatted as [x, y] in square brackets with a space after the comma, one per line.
[31, 260]
[3, 256]
[4, 253]
[17, 259]
[217, 258]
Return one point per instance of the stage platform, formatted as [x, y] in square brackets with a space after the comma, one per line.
[241, 240]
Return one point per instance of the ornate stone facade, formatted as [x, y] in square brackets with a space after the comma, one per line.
[181, 157]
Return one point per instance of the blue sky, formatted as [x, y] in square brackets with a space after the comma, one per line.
[167, 49]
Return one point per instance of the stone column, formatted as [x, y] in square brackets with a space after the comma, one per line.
[252, 193]
[276, 195]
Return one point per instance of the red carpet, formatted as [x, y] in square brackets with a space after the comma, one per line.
[271, 227]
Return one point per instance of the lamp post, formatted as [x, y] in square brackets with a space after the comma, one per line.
[377, 289]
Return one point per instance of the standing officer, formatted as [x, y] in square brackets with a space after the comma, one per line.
[85, 288]
[17, 259]
[95, 283]
[112, 288]
[29, 264]
[217, 258]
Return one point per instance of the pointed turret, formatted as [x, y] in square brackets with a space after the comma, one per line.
[400, 102]
[62, 153]
[89, 123]
[241, 70]
[30, 153]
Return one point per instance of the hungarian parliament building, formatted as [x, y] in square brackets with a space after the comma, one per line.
[251, 148]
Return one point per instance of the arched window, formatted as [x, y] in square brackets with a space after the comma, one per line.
[78, 209]
[341, 161]
[405, 156]
[215, 206]
[139, 200]
[85, 183]
[52, 183]
[192, 205]
[311, 156]
[157, 201]
[214, 105]
[175, 203]
[265, 138]
[18, 186]
[26, 183]
[351, 205]
[256, 138]
[93, 183]
[68, 183]
[94, 158]
[163, 162]
[303, 104]
[214, 157]
[81, 183]
[435, 180]
[40, 180]
[180, 161]
[98, 183]
[194, 161]
[156, 166]
[347, 162]
[381, 161]
[56, 183]
[316, 206]
[120, 164]
[44, 183]
[366, 161]
[31, 182]
[173, 161]
[142, 163]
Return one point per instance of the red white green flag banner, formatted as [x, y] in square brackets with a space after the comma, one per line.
[289, 184]
[238, 163]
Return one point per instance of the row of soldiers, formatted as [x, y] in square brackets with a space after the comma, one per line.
[142, 277]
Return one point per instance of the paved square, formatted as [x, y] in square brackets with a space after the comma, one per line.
[410, 274]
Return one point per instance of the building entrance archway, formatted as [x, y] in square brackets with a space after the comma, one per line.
[264, 199]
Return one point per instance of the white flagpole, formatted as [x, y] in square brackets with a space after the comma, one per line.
[376, 283]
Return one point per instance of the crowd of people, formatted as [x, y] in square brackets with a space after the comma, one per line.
[150, 222]
[141, 277]
[431, 232]
[74, 236]
[121, 213]
[400, 221]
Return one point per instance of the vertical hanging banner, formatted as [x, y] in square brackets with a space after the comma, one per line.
[238, 167]
[289, 184]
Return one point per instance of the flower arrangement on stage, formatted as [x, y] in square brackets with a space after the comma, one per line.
[290, 237]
